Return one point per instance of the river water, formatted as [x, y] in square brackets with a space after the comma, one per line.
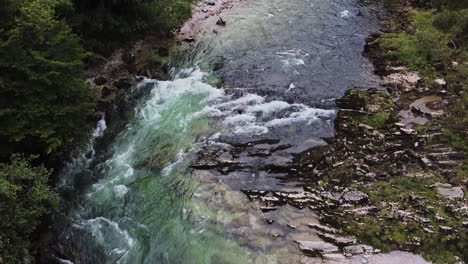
[132, 198]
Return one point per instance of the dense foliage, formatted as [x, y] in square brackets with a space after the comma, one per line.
[25, 197]
[105, 24]
[46, 108]
[45, 104]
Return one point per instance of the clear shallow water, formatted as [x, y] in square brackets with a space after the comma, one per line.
[134, 198]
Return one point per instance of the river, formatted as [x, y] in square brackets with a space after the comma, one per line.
[134, 198]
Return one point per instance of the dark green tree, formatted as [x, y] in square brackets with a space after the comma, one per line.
[25, 197]
[44, 101]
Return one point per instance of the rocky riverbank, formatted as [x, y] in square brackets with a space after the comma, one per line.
[390, 178]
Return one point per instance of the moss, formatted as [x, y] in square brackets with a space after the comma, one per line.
[458, 140]
[378, 109]
[387, 231]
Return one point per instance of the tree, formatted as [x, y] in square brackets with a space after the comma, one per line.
[44, 101]
[24, 198]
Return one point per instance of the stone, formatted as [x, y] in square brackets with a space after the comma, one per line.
[100, 80]
[365, 127]
[357, 250]
[445, 229]
[334, 257]
[338, 240]
[316, 248]
[453, 193]
[416, 241]
[355, 197]
[440, 82]
[323, 228]
[221, 22]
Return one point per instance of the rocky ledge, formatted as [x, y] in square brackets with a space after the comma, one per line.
[386, 179]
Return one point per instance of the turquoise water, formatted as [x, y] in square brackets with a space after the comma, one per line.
[134, 198]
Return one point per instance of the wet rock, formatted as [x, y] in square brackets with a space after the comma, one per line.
[355, 197]
[316, 248]
[453, 193]
[123, 83]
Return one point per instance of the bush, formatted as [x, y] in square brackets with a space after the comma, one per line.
[24, 198]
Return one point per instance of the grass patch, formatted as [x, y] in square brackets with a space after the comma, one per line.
[389, 230]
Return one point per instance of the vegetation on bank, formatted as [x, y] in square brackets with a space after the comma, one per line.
[46, 108]
[431, 39]
[25, 197]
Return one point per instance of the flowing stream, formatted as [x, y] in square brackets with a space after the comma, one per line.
[133, 197]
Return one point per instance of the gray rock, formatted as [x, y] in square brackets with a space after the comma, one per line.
[355, 197]
[453, 193]
[357, 250]
[323, 228]
[316, 248]
[338, 240]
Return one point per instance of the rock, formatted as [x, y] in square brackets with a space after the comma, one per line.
[221, 22]
[106, 92]
[426, 162]
[355, 197]
[445, 229]
[189, 39]
[365, 127]
[100, 80]
[453, 193]
[357, 250]
[323, 228]
[465, 224]
[408, 131]
[416, 241]
[440, 82]
[316, 248]
[429, 231]
[338, 240]
[334, 257]
[373, 108]
[123, 83]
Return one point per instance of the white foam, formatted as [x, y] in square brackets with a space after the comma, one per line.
[307, 115]
[345, 14]
[269, 108]
[251, 130]
[241, 119]
[291, 86]
[101, 126]
[243, 101]
[120, 190]
[96, 226]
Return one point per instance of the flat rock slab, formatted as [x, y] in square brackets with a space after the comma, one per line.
[316, 248]
[393, 257]
[451, 193]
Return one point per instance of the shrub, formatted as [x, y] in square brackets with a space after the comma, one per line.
[24, 198]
